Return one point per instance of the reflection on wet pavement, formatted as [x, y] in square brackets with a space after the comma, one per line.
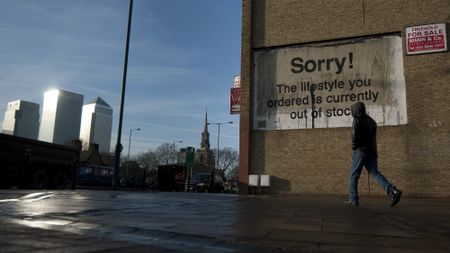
[192, 222]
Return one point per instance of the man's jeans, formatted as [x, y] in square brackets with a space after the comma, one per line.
[360, 159]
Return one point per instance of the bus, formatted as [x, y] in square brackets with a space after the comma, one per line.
[95, 175]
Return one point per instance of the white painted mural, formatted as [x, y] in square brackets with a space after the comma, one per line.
[314, 86]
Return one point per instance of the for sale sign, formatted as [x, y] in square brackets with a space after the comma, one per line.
[426, 39]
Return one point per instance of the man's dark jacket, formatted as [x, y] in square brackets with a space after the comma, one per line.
[364, 130]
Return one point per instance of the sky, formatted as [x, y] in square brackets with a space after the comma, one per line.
[183, 58]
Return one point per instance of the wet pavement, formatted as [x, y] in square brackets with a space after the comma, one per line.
[107, 221]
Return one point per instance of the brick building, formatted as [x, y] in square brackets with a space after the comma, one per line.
[305, 62]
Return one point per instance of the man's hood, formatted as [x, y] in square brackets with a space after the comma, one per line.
[358, 110]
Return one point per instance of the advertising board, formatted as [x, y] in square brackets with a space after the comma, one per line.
[235, 100]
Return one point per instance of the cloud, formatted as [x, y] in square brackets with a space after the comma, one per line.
[152, 125]
[173, 73]
[170, 105]
[157, 75]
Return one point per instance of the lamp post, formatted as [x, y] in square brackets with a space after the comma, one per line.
[175, 150]
[218, 147]
[118, 149]
[129, 147]
[174, 145]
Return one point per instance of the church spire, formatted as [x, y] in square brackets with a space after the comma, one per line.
[204, 158]
[206, 121]
[205, 134]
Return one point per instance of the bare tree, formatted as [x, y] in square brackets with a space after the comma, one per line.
[228, 160]
[149, 159]
[166, 153]
[233, 173]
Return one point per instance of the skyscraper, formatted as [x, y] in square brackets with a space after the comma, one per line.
[61, 117]
[96, 125]
[21, 119]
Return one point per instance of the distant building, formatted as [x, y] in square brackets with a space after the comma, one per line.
[61, 116]
[96, 125]
[204, 158]
[92, 156]
[21, 119]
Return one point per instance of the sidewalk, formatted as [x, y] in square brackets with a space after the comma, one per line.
[107, 221]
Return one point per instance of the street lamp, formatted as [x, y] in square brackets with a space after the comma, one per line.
[218, 147]
[118, 149]
[174, 146]
[175, 150]
[129, 147]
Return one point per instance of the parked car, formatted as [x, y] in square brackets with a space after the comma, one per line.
[197, 179]
[200, 182]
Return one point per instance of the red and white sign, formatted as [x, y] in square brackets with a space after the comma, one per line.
[237, 82]
[235, 101]
[426, 39]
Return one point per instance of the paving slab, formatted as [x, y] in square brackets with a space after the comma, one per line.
[125, 221]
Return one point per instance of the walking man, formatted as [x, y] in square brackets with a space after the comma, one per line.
[364, 145]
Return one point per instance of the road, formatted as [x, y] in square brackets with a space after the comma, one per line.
[121, 221]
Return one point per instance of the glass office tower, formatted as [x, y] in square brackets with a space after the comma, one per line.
[96, 125]
[61, 117]
[21, 119]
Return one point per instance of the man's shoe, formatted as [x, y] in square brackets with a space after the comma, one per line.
[395, 196]
[352, 202]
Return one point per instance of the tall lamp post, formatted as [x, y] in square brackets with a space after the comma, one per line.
[175, 149]
[118, 149]
[129, 147]
[218, 147]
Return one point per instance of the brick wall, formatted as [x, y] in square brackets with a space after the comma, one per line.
[415, 157]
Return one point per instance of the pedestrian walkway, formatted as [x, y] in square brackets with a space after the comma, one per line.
[115, 221]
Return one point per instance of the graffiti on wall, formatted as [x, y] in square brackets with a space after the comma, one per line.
[314, 86]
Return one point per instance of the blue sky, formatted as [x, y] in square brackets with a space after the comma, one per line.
[183, 57]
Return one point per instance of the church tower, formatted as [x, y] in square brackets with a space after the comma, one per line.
[205, 135]
[204, 158]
